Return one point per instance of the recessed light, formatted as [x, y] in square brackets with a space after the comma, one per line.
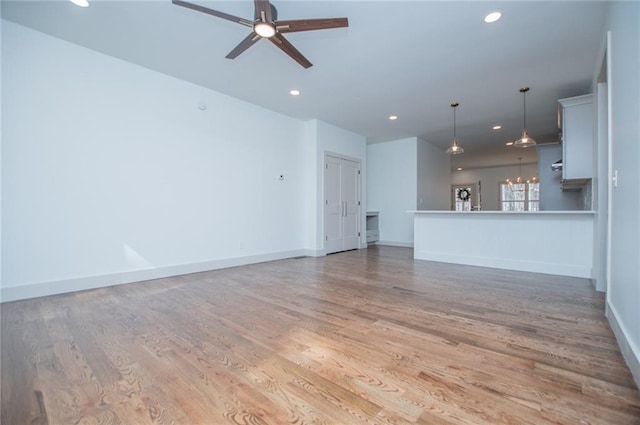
[497, 127]
[509, 143]
[81, 3]
[294, 92]
[393, 117]
[459, 168]
[492, 17]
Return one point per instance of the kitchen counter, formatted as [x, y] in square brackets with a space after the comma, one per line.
[555, 242]
[507, 212]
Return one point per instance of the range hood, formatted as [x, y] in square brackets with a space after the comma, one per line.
[556, 166]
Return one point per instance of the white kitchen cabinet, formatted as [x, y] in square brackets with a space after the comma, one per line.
[576, 122]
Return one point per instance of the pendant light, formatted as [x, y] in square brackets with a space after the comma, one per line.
[525, 141]
[454, 149]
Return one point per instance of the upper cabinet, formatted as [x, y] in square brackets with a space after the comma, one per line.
[576, 122]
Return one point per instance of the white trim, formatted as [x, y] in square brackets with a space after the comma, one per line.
[41, 289]
[609, 164]
[395, 243]
[629, 350]
[314, 252]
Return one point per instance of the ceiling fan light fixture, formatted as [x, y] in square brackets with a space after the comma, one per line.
[264, 29]
[454, 149]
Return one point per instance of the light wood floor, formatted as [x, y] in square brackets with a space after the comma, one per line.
[367, 336]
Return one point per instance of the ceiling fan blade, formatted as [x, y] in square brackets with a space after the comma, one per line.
[298, 25]
[288, 48]
[249, 41]
[213, 12]
[262, 6]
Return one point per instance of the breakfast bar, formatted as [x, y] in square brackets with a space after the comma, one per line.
[554, 242]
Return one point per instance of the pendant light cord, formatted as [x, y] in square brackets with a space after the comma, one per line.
[524, 103]
[524, 91]
[454, 105]
[454, 122]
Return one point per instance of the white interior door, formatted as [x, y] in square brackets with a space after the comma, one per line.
[342, 204]
[350, 183]
[333, 207]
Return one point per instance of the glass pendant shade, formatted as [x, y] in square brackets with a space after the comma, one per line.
[525, 141]
[454, 149]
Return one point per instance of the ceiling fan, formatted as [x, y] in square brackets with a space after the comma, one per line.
[266, 25]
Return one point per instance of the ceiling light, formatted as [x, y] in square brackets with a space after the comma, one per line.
[81, 3]
[264, 29]
[496, 127]
[454, 149]
[509, 143]
[492, 17]
[294, 92]
[459, 168]
[393, 117]
[525, 141]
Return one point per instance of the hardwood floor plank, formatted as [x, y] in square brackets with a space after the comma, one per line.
[362, 337]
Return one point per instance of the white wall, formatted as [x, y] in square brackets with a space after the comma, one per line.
[110, 170]
[490, 179]
[392, 187]
[623, 295]
[552, 197]
[434, 177]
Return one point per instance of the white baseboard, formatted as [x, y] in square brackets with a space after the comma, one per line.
[396, 243]
[628, 348]
[313, 252]
[41, 289]
[507, 264]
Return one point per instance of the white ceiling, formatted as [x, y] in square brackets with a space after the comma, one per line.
[408, 58]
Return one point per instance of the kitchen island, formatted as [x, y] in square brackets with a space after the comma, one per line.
[554, 242]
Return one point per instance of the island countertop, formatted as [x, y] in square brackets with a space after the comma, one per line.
[563, 212]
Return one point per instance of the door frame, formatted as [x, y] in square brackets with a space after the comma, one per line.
[358, 191]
